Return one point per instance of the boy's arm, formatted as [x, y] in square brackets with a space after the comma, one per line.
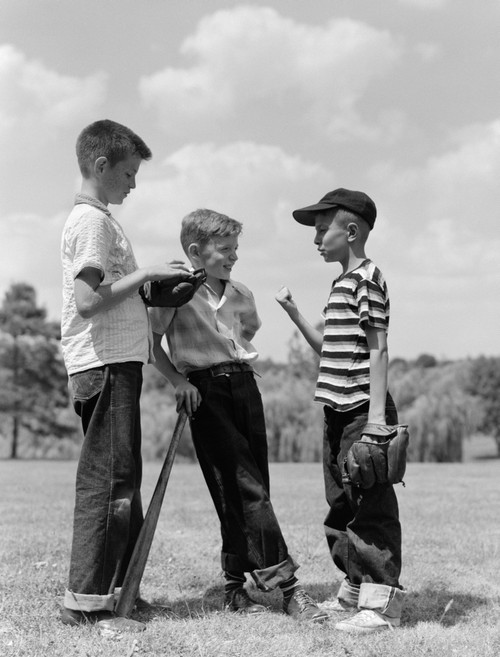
[377, 344]
[91, 297]
[312, 335]
[186, 394]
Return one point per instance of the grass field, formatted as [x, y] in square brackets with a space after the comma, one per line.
[450, 515]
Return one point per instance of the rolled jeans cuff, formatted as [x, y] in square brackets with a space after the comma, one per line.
[87, 603]
[269, 578]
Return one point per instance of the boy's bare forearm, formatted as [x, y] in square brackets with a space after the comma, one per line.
[186, 394]
[164, 365]
[313, 337]
[379, 362]
[92, 297]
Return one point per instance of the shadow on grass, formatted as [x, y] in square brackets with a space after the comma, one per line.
[426, 606]
[212, 601]
[439, 606]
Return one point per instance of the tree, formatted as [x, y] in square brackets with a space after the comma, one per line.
[33, 381]
[434, 402]
[484, 384]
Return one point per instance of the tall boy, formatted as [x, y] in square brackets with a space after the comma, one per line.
[362, 526]
[106, 339]
[210, 366]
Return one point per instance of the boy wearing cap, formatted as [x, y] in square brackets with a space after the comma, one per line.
[362, 525]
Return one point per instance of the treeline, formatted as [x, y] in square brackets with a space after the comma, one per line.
[444, 403]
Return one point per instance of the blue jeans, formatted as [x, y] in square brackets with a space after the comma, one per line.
[362, 525]
[229, 437]
[108, 507]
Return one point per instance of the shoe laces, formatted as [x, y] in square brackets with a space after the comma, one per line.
[367, 617]
[303, 599]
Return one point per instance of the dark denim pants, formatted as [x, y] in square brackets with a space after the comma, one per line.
[362, 526]
[230, 439]
[108, 508]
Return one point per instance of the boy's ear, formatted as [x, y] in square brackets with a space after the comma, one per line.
[193, 250]
[100, 164]
[352, 231]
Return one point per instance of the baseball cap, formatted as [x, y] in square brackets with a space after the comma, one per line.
[356, 202]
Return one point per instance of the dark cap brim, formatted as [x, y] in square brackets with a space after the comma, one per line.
[307, 216]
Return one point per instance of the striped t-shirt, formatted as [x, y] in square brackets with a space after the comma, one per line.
[357, 299]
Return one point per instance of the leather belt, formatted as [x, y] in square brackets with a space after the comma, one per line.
[221, 369]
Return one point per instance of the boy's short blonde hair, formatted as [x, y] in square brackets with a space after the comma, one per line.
[203, 225]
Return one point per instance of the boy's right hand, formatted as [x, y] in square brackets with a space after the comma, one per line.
[172, 269]
[187, 395]
[284, 298]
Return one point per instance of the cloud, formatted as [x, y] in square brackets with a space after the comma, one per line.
[252, 59]
[246, 180]
[426, 4]
[438, 242]
[442, 213]
[36, 99]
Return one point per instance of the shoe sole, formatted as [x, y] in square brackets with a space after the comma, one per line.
[357, 629]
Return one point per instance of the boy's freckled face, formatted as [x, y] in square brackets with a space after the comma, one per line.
[331, 239]
[219, 256]
[117, 181]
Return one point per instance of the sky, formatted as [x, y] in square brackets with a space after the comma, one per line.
[255, 109]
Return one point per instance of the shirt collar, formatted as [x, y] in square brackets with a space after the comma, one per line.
[90, 200]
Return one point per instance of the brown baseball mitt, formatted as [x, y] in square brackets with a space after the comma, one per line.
[379, 457]
[172, 293]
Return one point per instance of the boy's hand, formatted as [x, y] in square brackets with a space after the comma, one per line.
[187, 395]
[171, 269]
[284, 298]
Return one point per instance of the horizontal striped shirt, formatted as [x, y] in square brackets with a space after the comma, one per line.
[357, 299]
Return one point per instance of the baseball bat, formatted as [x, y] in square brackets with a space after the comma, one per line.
[137, 564]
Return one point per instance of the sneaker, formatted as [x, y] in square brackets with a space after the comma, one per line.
[105, 619]
[336, 606]
[366, 621]
[302, 607]
[239, 600]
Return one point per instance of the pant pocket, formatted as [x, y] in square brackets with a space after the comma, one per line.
[85, 385]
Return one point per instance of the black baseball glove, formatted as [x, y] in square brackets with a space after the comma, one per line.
[172, 293]
[378, 457]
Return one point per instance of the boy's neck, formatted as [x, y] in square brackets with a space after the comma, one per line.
[90, 188]
[217, 285]
[353, 260]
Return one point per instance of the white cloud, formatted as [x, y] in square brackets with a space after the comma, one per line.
[248, 60]
[426, 4]
[246, 180]
[442, 213]
[438, 243]
[35, 98]
[257, 184]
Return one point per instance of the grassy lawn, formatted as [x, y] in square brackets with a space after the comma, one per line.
[450, 515]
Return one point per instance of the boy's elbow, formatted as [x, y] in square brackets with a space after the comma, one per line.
[85, 311]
